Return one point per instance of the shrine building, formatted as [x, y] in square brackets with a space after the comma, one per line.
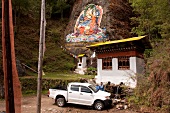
[120, 60]
[81, 65]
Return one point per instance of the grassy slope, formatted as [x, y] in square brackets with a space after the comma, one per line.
[66, 76]
[27, 43]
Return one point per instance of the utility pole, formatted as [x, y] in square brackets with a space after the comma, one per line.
[41, 54]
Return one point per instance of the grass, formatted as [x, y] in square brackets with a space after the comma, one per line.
[33, 92]
[66, 76]
[29, 93]
[61, 75]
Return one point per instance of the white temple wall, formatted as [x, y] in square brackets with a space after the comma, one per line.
[116, 76]
[82, 64]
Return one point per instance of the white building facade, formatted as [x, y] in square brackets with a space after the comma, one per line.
[82, 64]
[120, 60]
[116, 76]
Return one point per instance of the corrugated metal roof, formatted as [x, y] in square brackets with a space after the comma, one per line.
[116, 41]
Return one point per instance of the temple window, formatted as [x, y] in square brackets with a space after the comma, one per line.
[107, 63]
[123, 63]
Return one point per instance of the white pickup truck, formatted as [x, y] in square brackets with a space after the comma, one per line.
[81, 93]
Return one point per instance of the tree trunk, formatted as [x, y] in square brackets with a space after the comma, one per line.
[61, 14]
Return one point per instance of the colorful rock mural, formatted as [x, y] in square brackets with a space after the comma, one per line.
[87, 27]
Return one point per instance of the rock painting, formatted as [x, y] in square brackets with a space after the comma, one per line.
[87, 27]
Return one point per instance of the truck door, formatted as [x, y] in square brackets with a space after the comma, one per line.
[73, 94]
[86, 96]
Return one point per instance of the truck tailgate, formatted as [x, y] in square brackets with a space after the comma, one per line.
[54, 92]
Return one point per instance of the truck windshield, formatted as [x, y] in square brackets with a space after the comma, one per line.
[93, 88]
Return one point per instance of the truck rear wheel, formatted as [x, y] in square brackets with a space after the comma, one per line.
[98, 105]
[60, 101]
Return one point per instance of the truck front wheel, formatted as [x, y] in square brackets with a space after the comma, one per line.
[98, 105]
[60, 101]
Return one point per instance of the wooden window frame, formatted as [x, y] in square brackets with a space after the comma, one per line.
[107, 63]
[124, 63]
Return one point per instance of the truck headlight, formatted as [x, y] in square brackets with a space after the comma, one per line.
[107, 97]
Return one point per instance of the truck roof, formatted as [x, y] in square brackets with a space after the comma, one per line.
[79, 83]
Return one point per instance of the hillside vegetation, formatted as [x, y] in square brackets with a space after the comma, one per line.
[153, 19]
[26, 16]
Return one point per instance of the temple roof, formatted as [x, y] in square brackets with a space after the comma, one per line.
[144, 40]
[81, 55]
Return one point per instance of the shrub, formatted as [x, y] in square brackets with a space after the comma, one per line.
[30, 84]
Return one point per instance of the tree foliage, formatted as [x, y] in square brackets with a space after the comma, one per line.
[21, 5]
[57, 7]
[153, 88]
[154, 20]
[159, 76]
[153, 17]
[60, 6]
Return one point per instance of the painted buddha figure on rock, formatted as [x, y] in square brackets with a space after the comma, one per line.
[87, 27]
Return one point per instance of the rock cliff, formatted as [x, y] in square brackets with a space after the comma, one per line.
[116, 19]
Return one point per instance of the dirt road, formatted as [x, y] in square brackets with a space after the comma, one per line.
[48, 106]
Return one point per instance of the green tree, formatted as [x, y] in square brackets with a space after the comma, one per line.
[58, 6]
[19, 7]
[61, 5]
[154, 20]
[29, 8]
[153, 17]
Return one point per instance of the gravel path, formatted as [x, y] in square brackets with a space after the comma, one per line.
[48, 106]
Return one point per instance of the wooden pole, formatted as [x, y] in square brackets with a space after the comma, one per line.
[11, 80]
[7, 63]
[41, 53]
